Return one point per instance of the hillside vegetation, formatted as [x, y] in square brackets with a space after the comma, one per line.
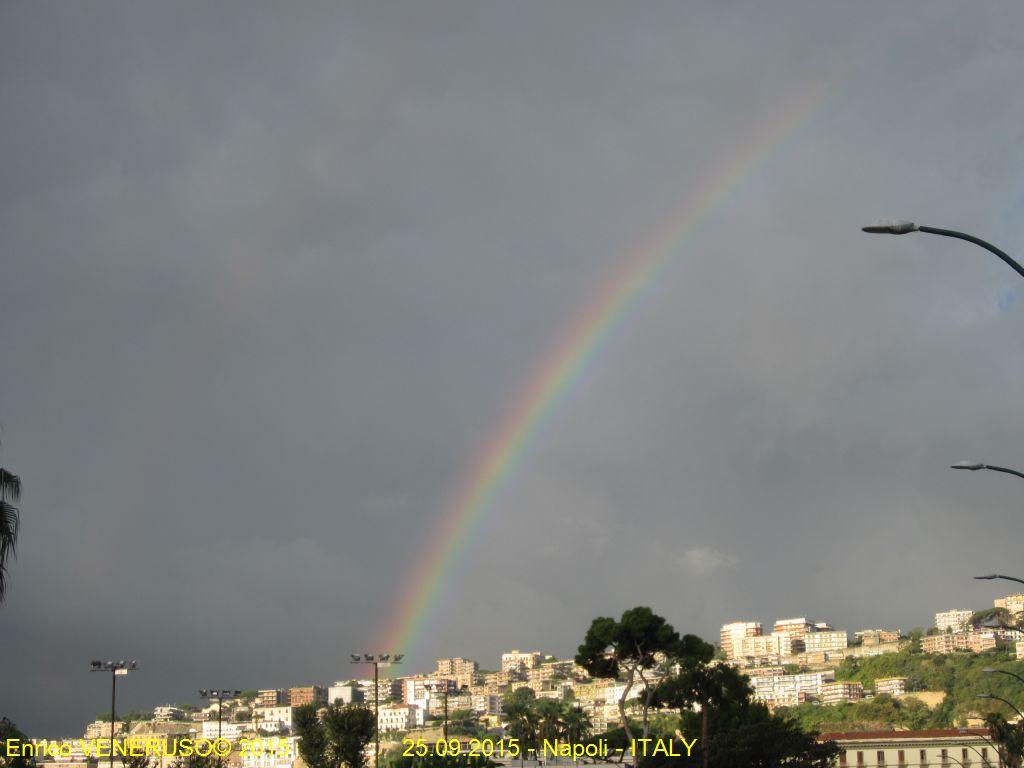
[959, 675]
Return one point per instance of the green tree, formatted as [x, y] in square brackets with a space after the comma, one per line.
[196, 761]
[338, 736]
[638, 647]
[9, 733]
[1009, 738]
[10, 522]
[520, 713]
[576, 724]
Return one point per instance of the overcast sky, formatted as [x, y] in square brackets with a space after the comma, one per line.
[271, 276]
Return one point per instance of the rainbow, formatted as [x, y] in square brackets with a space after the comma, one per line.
[565, 364]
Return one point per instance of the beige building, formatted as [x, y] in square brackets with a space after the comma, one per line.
[1012, 603]
[462, 671]
[872, 637]
[271, 698]
[825, 642]
[795, 627]
[913, 749]
[839, 691]
[732, 635]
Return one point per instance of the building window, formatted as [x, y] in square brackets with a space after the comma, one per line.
[880, 758]
[842, 757]
[860, 758]
[922, 757]
[945, 758]
[901, 759]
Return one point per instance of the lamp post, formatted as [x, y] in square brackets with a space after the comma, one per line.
[1000, 698]
[900, 227]
[974, 466]
[377, 660]
[115, 668]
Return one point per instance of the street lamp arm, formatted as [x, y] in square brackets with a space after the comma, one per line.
[1007, 470]
[992, 576]
[977, 241]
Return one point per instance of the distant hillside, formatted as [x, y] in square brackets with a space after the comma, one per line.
[959, 675]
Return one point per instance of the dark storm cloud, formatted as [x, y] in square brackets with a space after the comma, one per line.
[272, 274]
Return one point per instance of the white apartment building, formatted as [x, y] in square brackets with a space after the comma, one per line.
[893, 686]
[955, 620]
[817, 642]
[273, 719]
[279, 753]
[399, 717]
[345, 692]
[167, 713]
[732, 636]
[777, 690]
[516, 660]
[226, 730]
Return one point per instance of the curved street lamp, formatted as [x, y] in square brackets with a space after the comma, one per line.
[974, 466]
[990, 670]
[1000, 698]
[991, 576]
[901, 227]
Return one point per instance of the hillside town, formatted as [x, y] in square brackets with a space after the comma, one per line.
[795, 664]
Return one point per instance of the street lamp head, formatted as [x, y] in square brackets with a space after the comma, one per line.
[989, 669]
[989, 577]
[973, 466]
[890, 227]
[984, 696]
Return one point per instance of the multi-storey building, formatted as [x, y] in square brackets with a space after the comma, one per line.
[344, 692]
[168, 713]
[272, 719]
[839, 691]
[892, 686]
[518, 660]
[1012, 603]
[308, 694]
[399, 717]
[825, 641]
[279, 754]
[224, 729]
[462, 671]
[795, 627]
[777, 690]
[955, 620]
[274, 697]
[872, 637]
[910, 749]
[732, 635]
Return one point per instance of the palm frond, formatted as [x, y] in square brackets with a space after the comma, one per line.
[9, 523]
[10, 486]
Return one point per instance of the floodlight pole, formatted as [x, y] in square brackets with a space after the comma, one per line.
[113, 667]
[376, 659]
